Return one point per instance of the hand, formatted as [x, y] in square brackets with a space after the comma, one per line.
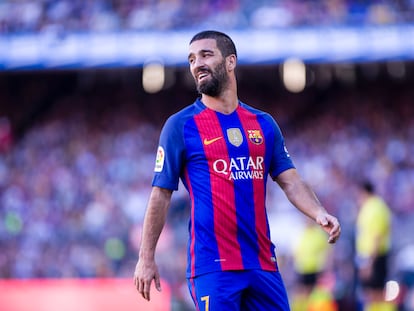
[145, 272]
[330, 225]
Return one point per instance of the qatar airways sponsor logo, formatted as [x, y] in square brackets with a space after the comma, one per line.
[240, 167]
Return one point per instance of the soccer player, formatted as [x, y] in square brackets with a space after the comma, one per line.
[224, 150]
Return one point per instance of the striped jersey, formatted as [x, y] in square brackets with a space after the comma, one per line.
[223, 161]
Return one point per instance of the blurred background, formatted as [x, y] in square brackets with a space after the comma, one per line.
[85, 87]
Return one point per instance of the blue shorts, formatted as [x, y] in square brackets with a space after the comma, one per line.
[249, 290]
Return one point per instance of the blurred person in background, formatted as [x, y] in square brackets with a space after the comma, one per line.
[310, 261]
[373, 245]
[223, 150]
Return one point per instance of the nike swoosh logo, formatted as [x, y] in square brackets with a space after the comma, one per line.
[210, 141]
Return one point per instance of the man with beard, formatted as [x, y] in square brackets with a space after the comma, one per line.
[223, 150]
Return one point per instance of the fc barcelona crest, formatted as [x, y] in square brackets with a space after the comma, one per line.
[235, 136]
[255, 136]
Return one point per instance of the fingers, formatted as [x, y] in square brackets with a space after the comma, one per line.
[335, 231]
[332, 239]
[323, 220]
[146, 289]
[331, 226]
[143, 285]
[157, 284]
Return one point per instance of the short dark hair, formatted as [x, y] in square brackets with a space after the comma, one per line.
[368, 186]
[224, 43]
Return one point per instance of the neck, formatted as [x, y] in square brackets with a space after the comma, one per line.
[226, 102]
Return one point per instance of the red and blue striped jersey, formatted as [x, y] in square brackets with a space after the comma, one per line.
[223, 160]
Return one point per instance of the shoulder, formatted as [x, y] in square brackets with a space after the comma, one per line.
[252, 110]
[264, 118]
[375, 207]
[181, 117]
[258, 112]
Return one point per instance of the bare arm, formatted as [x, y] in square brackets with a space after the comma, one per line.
[146, 269]
[305, 200]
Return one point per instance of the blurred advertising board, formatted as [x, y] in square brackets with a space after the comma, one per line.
[133, 49]
[79, 295]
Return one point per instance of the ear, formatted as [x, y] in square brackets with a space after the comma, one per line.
[231, 62]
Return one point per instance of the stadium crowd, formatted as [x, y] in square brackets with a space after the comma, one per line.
[32, 16]
[76, 169]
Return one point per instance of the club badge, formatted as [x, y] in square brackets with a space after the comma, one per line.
[255, 136]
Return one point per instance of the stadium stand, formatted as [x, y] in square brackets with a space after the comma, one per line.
[144, 15]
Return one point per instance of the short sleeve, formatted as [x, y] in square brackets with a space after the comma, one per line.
[169, 157]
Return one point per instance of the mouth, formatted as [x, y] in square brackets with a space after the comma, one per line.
[202, 75]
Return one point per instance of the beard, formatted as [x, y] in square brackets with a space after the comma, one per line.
[214, 85]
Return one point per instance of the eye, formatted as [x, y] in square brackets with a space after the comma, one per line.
[207, 54]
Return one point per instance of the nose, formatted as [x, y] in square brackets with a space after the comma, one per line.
[198, 62]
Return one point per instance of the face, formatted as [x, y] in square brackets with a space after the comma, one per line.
[208, 67]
